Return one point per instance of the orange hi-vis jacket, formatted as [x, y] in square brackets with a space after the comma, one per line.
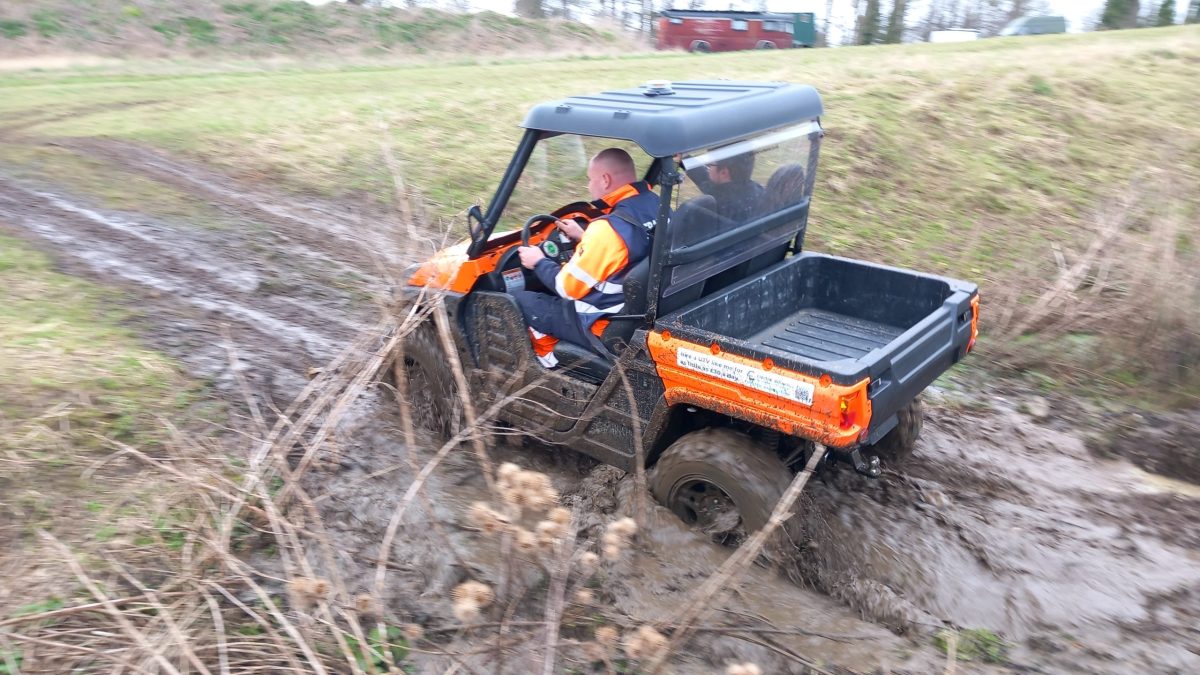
[610, 247]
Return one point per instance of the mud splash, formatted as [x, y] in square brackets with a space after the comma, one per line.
[1003, 524]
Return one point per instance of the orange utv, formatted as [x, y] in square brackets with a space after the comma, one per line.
[737, 351]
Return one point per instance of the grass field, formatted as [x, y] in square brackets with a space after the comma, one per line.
[999, 161]
[77, 385]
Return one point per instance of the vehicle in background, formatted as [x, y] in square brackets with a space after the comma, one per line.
[1035, 25]
[804, 30]
[954, 35]
[720, 31]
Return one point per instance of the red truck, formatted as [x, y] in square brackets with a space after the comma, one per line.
[704, 31]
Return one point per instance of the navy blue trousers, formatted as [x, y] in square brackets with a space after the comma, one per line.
[552, 315]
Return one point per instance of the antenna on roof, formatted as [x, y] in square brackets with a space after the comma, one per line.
[658, 88]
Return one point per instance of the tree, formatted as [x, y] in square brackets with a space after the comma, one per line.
[1166, 13]
[530, 9]
[868, 33]
[1119, 14]
[1193, 13]
[895, 28]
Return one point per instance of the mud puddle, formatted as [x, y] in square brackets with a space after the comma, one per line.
[1082, 563]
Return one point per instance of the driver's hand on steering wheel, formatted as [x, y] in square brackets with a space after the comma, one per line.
[570, 229]
[530, 255]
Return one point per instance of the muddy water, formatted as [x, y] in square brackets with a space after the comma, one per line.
[1000, 523]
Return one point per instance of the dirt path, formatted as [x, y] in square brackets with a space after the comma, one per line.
[1002, 523]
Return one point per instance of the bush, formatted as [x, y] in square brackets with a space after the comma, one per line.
[48, 23]
[12, 29]
[200, 32]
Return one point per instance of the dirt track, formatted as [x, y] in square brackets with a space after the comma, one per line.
[1085, 563]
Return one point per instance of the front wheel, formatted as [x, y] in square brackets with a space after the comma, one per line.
[432, 395]
[899, 444]
[720, 481]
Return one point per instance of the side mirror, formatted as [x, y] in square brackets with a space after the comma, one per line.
[475, 222]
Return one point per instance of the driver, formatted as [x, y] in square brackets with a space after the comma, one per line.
[589, 287]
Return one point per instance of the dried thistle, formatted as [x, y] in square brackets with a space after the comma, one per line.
[625, 527]
[588, 562]
[607, 636]
[412, 632]
[550, 532]
[306, 592]
[645, 643]
[743, 669]
[507, 472]
[524, 540]
[477, 593]
[364, 604]
[466, 611]
[486, 519]
[611, 552]
[560, 515]
[593, 651]
[584, 596]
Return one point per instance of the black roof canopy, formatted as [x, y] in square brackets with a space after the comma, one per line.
[700, 114]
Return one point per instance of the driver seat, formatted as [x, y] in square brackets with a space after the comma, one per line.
[694, 217]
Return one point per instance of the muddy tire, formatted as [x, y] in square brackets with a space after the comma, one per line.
[898, 445]
[720, 481]
[432, 393]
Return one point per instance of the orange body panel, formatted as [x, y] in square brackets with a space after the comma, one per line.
[974, 322]
[760, 392]
[449, 269]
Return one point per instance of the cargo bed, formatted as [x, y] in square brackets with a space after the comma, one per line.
[822, 335]
[824, 315]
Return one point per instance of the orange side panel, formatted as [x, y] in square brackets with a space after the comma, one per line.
[449, 269]
[760, 392]
[974, 322]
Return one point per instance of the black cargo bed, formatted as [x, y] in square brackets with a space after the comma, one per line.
[822, 335]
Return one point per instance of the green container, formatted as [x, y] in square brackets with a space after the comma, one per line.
[805, 32]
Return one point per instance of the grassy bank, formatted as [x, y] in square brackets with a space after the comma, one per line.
[217, 29]
[1059, 172]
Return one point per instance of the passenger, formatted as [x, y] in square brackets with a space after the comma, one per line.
[785, 188]
[589, 286]
[729, 181]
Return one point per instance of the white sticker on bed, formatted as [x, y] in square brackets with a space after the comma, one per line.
[786, 387]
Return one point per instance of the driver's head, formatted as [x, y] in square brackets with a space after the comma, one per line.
[609, 170]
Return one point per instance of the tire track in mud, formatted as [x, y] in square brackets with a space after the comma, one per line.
[165, 262]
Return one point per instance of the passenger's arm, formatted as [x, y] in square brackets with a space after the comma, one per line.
[699, 176]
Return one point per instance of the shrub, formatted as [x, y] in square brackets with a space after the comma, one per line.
[48, 23]
[12, 29]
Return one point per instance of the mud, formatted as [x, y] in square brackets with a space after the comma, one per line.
[1165, 444]
[1084, 563]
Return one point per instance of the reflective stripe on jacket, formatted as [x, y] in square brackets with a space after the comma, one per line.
[610, 247]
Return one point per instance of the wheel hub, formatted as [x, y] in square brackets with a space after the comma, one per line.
[700, 503]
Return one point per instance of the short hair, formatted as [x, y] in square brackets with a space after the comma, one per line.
[786, 186]
[617, 161]
[740, 167]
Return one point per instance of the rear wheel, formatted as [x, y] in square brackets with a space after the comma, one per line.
[432, 394]
[720, 481]
[899, 444]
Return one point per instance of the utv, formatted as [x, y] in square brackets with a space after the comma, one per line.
[742, 350]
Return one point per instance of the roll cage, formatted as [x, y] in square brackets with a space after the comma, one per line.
[717, 117]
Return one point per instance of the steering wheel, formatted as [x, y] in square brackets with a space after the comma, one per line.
[555, 246]
[529, 223]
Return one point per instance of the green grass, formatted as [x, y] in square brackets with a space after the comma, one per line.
[975, 160]
[76, 381]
